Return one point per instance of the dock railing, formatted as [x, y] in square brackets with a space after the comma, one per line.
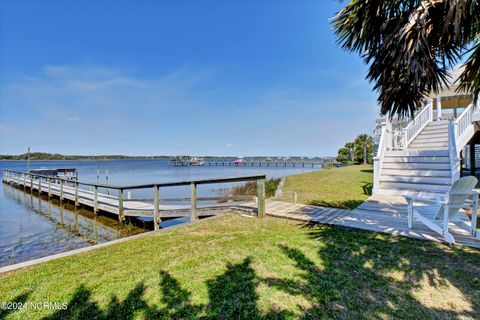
[32, 181]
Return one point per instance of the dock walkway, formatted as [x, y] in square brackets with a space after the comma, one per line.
[152, 208]
[385, 214]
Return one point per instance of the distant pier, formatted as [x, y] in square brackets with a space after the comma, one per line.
[251, 162]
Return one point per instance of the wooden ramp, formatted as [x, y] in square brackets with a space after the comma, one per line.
[386, 214]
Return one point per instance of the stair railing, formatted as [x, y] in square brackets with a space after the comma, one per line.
[462, 125]
[420, 121]
[384, 144]
[453, 153]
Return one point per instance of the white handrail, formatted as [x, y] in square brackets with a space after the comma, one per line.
[463, 123]
[385, 138]
[421, 120]
[452, 148]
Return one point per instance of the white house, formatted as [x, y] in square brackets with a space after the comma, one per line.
[427, 153]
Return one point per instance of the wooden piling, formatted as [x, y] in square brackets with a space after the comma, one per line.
[31, 183]
[95, 199]
[61, 190]
[156, 209]
[194, 200]
[121, 216]
[49, 188]
[261, 198]
[77, 203]
[40, 186]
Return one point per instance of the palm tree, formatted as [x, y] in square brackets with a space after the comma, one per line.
[410, 44]
[351, 148]
[365, 145]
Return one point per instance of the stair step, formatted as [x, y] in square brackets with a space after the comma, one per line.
[446, 181]
[438, 123]
[415, 159]
[415, 173]
[414, 186]
[417, 153]
[428, 145]
[433, 134]
[426, 139]
[407, 166]
[434, 130]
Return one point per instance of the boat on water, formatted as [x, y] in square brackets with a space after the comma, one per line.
[64, 173]
[187, 161]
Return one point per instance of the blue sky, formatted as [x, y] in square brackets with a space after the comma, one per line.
[178, 77]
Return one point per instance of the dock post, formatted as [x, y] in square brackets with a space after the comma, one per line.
[49, 188]
[261, 198]
[121, 218]
[61, 190]
[39, 186]
[24, 182]
[76, 195]
[31, 183]
[95, 199]
[194, 201]
[156, 200]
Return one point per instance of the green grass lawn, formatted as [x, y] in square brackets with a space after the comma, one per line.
[345, 187]
[235, 267]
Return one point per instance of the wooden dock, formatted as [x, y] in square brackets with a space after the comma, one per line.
[66, 190]
[385, 214]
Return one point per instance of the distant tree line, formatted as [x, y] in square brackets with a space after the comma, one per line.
[358, 151]
[57, 156]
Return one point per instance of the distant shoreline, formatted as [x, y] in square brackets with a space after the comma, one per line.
[128, 159]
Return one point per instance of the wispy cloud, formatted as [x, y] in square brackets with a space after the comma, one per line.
[112, 120]
[95, 92]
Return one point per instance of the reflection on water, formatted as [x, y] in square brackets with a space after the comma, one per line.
[33, 227]
[41, 227]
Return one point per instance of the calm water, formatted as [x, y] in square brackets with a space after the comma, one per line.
[33, 227]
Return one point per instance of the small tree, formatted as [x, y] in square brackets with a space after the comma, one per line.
[364, 148]
[342, 155]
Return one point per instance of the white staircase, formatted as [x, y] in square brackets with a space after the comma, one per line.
[422, 159]
[433, 136]
[415, 171]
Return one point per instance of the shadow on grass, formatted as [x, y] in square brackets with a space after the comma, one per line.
[367, 188]
[347, 276]
[10, 306]
[346, 204]
[367, 170]
[232, 295]
[353, 283]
